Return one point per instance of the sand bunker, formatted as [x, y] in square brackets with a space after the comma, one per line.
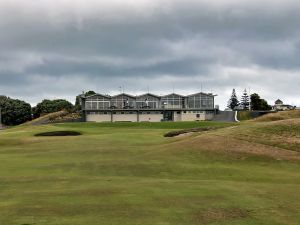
[58, 134]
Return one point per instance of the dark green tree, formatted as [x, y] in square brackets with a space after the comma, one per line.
[245, 100]
[233, 101]
[14, 111]
[77, 102]
[259, 104]
[50, 106]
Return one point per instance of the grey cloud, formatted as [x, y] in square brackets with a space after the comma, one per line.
[62, 47]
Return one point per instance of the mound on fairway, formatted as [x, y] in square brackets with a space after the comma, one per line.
[58, 133]
[281, 115]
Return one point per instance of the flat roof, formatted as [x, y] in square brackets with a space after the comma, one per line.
[137, 96]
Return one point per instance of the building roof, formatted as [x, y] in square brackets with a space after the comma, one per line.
[131, 96]
[156, 96]
[90, 96]
[210, 94]
[172, 94]
[278, 102]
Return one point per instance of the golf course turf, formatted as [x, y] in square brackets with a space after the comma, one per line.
[130, 174]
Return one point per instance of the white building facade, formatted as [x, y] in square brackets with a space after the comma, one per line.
[148, 107]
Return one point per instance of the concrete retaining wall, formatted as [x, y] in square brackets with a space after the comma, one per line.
[209, 116]
[192, 116]
[124, 117]
[150, 117]
[98, 118]
[177, 116]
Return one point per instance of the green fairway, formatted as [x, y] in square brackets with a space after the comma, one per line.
[129, 174]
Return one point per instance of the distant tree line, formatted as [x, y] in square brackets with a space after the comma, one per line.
[15, 112]
[254, 102]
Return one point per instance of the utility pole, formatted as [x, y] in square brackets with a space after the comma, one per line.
[0, 118]
[249, 100]
[200, 96]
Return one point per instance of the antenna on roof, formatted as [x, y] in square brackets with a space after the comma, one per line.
[148, 89]
[200, 95]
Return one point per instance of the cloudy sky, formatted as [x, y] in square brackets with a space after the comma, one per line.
[58, 48]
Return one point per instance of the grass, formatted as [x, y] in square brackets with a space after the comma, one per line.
[281, 115]
[244, 115]
[129, 174]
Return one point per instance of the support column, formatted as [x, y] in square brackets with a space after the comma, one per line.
[137, 116]
[83, 115]
[111, 116]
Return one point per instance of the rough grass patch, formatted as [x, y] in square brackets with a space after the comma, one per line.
[281, 115]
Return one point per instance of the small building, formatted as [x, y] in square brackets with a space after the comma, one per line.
[148, 107]
[279, 106]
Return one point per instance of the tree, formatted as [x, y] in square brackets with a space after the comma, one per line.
[77, 102]
[14, 111]
[50, 106]
[259, 104]
[245, 100]
[233, 101]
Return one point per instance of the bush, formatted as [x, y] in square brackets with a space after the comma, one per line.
[14, 111]
[50, 106]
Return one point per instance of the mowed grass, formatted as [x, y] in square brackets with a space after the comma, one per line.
[129, 174]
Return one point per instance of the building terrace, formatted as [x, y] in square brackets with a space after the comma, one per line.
[171, 107]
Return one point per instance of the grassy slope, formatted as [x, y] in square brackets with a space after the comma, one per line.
[128, 173]
[244, 115]
[281, 115]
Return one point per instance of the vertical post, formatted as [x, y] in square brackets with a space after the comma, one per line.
[201, 97]
[249, 100]
[0, 118]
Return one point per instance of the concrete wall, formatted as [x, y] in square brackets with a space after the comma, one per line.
[209, 116]
[177, 117]
[192, 116]
[125, 117]
[150, 117]
[153, 117]
[98, 118]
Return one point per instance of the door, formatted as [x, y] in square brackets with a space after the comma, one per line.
[168, 116]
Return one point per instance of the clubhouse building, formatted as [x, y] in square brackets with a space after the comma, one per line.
[148, 107]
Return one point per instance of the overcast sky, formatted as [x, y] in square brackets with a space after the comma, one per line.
[58, 48]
